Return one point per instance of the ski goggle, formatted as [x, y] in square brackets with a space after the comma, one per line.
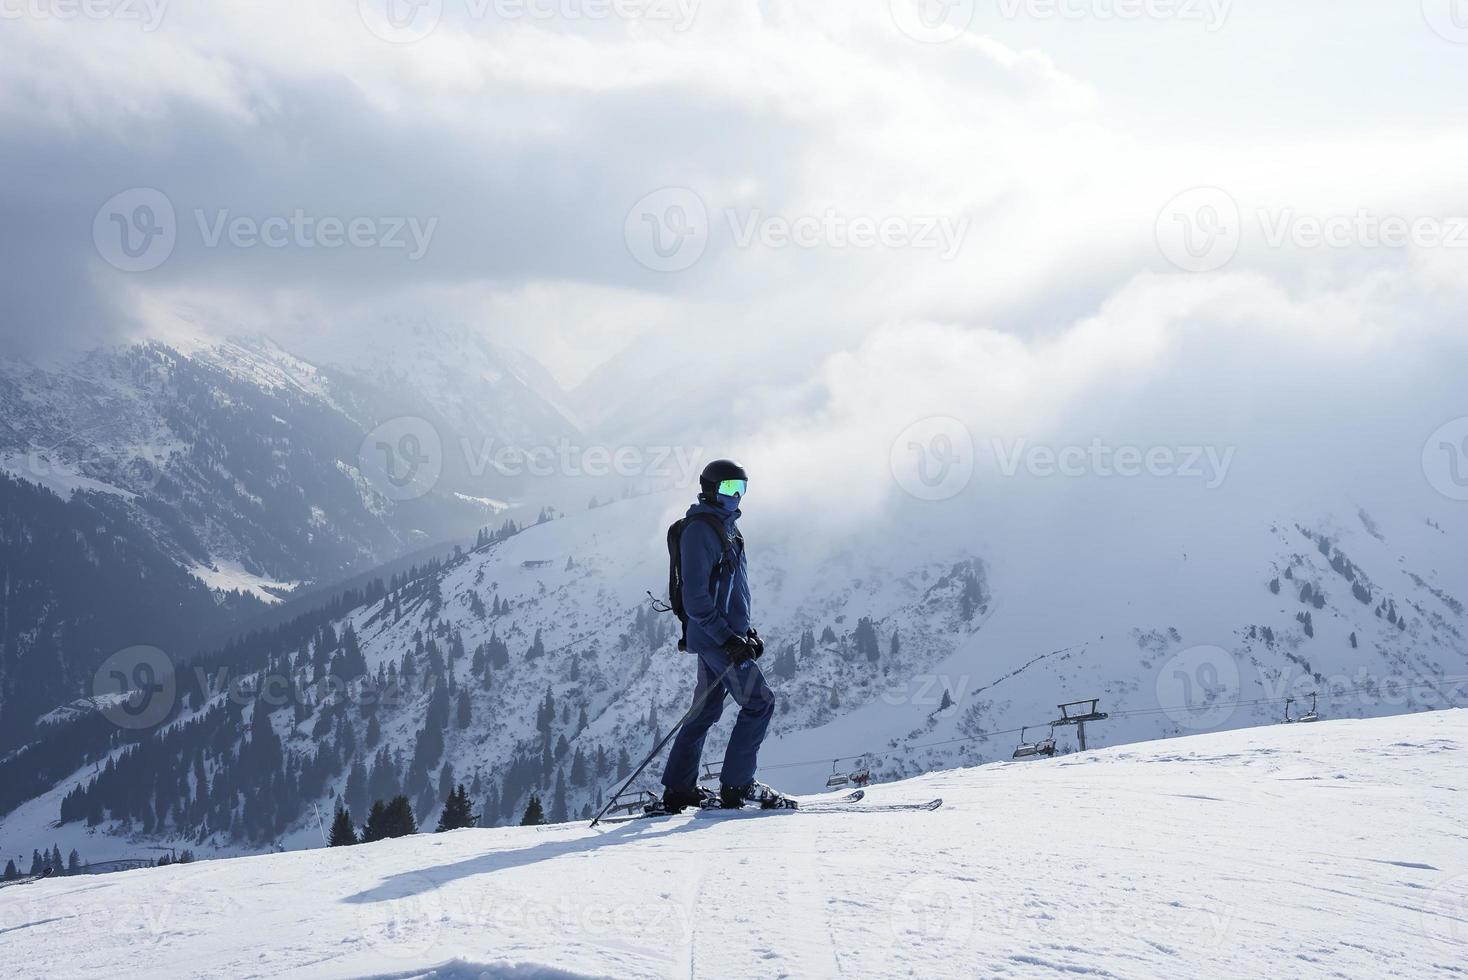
[733, 488]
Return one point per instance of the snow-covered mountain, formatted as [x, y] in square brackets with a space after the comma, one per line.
[234, 466]
[535, 663]
[246, 458]
[1324, 850]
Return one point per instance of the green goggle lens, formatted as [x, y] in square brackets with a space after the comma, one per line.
[733, 488]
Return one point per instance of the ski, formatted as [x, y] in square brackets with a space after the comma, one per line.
[792, 803]
[853, 802]
[834, 806]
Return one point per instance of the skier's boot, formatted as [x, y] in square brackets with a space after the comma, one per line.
[734, 797]
[678, 800]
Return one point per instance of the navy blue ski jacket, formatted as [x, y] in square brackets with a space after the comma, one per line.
[720, 611]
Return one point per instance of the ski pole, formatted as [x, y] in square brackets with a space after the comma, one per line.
[697, 705]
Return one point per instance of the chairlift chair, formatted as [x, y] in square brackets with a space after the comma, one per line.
[836, 778]
[861, 776]
[1025, 750]
[1313, 715]
[1287, 719]
[634, 801]
[1046, 745]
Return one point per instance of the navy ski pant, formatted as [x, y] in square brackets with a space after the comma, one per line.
[746, 684]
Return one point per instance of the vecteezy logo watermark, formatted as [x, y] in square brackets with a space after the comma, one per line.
[135, 688]
[1097, 459]
[406, 924]
[136, 230]
[565, 458]
[933, 459]
[1363, 229]
[402, 458]
[148, 13]
[933, 911]
[1445, 912]
[1448, 18]
[301, 230]
[832, 230]
[1445, 459]
[1200, 230]
[667, 230]
[933, 21]
[1199, 687]
[407, 21]
[1210, 13]
[401, 21]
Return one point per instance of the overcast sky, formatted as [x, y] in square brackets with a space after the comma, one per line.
[873, 211]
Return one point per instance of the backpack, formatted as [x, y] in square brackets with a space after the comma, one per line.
[675, 564]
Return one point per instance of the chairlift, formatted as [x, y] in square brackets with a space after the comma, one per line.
[634, 802]
[861, 777]
[1028, 750]
[836, 778]
[1287, 719]
[1313, 714]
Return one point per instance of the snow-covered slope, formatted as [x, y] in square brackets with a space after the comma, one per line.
[1326, 850]
[1176, 627]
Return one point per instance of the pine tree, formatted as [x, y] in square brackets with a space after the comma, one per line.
[559, 812]
[355, 795]
[343, 834]
[579, 772]
[400, 818]
[375, 828]
[534, 815]
[10, 871]
[458, 812]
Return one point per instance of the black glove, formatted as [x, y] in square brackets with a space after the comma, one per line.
[756, 643]
[739, 649]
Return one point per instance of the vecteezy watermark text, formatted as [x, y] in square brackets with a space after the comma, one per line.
[1097, 459]
[1212, 14]
[409, 21]
[138, 229]
[669, 229]
[146, 13]
[1203, 229]
[298, 229]
[405, 457]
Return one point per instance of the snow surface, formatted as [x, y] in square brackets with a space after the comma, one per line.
[1334, 849]
[229, 575]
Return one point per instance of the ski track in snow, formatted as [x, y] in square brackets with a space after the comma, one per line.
[1336, 849]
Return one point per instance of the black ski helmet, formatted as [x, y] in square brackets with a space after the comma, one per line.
[717, 472]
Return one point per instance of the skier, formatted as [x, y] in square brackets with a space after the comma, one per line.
[716, 598]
